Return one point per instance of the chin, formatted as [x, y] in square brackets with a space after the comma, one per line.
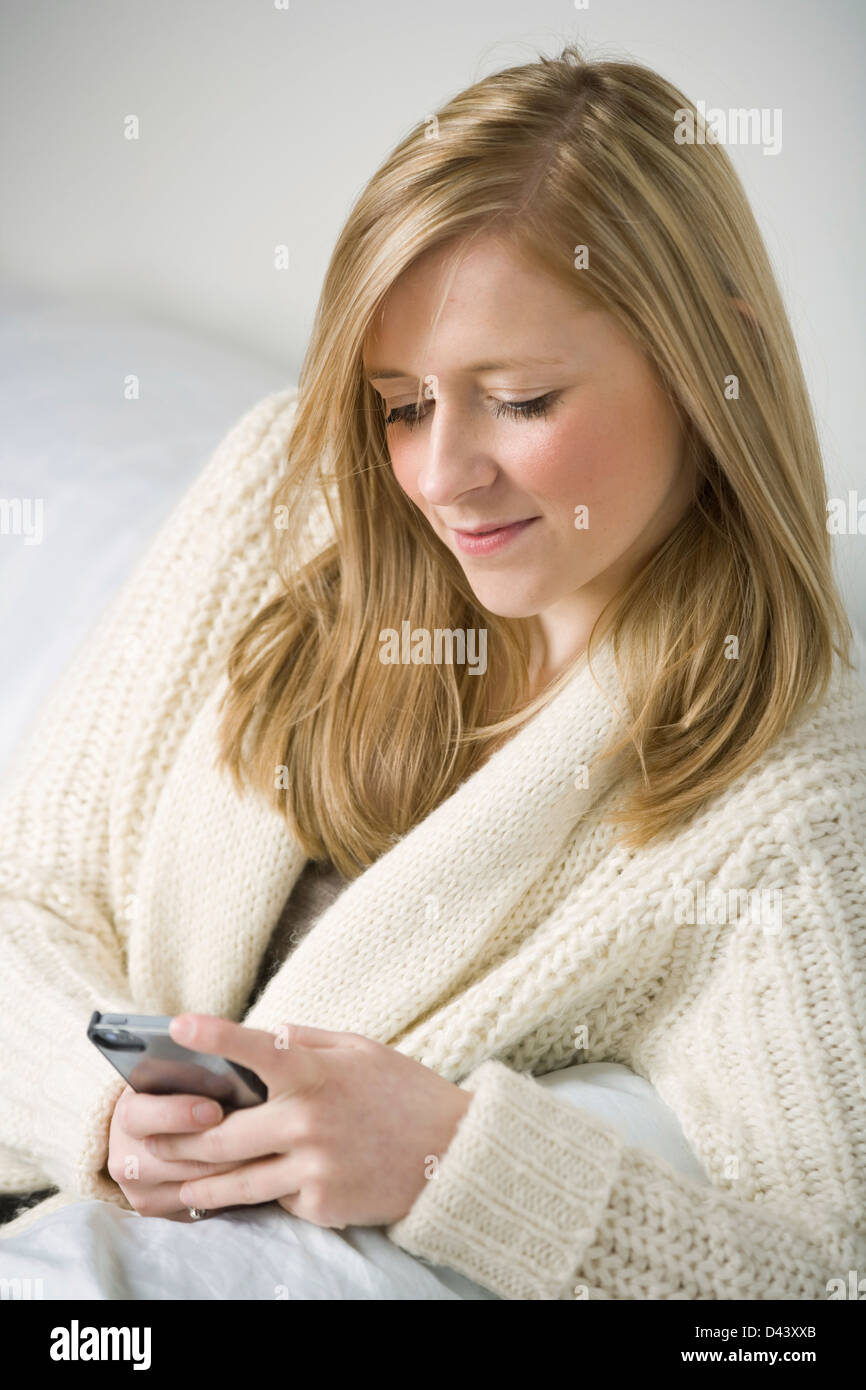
[510, 605]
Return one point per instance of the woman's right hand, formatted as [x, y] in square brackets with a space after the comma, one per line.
[154, 1191]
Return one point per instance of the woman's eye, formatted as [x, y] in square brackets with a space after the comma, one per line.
[518, 410]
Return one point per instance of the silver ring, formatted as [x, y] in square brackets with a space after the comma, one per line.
[197, 1213]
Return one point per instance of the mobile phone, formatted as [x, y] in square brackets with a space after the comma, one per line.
[141, 1048]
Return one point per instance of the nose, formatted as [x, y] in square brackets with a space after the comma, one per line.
[455, 460]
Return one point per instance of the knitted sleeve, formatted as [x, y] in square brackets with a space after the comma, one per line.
[537, 1199]
[81, 790]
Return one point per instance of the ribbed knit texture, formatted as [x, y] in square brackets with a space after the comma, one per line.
[504, 937]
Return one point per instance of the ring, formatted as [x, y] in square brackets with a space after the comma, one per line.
[197, 1213]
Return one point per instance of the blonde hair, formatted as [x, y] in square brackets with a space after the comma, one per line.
[553, 154]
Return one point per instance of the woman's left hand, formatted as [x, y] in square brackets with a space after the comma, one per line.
[349, 1134]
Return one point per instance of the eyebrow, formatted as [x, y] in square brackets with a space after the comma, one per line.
[387, 373]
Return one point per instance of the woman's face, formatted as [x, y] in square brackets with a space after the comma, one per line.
[596, 469]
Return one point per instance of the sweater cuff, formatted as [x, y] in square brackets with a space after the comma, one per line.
[79, 1090]
[91, 1178]
[520, 1190]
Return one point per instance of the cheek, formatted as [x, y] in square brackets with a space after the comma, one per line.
[613, 461]
[567, 465]
[405, 465]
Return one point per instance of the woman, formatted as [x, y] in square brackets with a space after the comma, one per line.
[633, 832]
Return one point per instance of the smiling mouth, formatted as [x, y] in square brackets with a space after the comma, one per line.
[487, 541]
[488, 530]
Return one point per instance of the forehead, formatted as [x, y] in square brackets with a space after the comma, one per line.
[477, 303]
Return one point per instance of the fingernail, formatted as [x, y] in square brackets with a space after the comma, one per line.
[182, 1028]
[207, 1112]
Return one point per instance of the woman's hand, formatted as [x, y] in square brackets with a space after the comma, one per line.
[151, 1185]
[350, 1132]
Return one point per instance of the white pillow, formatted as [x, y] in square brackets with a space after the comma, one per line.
[629, 1102]
[107, 470]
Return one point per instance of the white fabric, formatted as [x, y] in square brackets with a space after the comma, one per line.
[107, 469]
[95, 1250]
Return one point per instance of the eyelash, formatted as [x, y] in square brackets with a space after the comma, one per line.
[517, 410]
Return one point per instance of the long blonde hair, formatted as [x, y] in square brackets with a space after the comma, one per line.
[554, 154]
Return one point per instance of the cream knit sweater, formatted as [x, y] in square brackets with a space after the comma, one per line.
[504, 937]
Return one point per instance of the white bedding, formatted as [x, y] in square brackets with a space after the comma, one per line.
[106, 470]
[95, 1250]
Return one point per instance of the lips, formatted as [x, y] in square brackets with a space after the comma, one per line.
[486, 530]
[487, 542]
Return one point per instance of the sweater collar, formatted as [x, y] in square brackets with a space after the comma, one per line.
[217, 869]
